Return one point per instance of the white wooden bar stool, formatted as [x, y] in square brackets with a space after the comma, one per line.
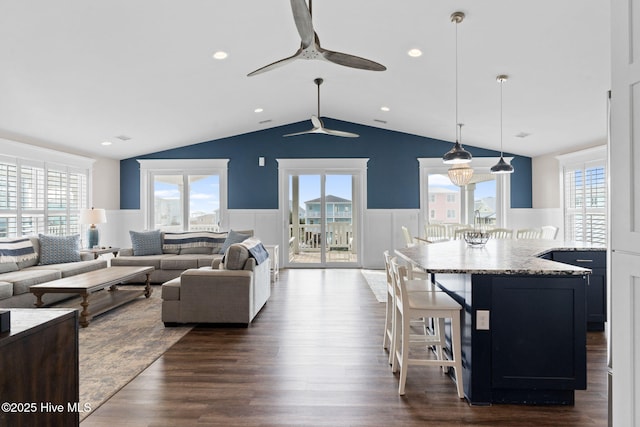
[413, 305]
[412, 285]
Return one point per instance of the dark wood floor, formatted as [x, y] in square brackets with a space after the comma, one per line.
[313, 357]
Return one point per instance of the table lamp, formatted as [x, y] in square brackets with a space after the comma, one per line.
[93, 216]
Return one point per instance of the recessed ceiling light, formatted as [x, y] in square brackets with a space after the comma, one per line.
[522, 135]
[414, 53]
[106, 143]
[385, 108]
[258, 110]
[220, 55]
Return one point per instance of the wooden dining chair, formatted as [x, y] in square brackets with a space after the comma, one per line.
[528, 233]
[549, 232]
[435, 233]
[501, 233]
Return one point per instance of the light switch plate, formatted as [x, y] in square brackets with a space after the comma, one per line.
[482, 320]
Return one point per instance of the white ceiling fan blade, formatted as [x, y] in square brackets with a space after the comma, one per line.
[276, 64]
[317, 123]
[299, 133]
[302, 18]
[340, 133]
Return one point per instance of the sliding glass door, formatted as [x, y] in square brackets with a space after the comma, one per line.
[321, 228]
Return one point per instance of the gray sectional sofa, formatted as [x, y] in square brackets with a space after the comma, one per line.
[17, 277]
[232, 293]
[174, 253]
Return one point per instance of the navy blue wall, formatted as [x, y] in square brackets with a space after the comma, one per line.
[392, 175]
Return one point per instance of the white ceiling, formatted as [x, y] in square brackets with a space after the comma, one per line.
[75, 73]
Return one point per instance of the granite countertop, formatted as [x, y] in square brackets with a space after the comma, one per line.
[496, 257]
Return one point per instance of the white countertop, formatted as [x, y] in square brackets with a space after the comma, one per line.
[496, 257]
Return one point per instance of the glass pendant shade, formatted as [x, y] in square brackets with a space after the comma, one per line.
[460, 174]
[456, 155]
[502, 167]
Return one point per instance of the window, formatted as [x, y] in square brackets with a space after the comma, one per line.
[585, 196]
[37, 197]
[484, 201]
[184, 195]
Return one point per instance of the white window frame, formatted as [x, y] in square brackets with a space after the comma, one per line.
[480, 165]
[583, 159]
[20, 154]
[151, 167]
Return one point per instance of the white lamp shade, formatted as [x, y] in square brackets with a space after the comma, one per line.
[93, 216]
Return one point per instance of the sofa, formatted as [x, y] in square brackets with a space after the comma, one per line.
[172, 253]
[230, 291]
[33, 260]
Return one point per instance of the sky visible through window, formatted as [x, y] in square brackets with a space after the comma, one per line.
[204, 193]
[336, 185]
[483, 189]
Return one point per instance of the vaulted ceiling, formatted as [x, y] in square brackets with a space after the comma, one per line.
[76, 73]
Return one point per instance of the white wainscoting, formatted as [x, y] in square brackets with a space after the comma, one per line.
[264, 223]
[115, 232]
[535, 218]
[382, 231]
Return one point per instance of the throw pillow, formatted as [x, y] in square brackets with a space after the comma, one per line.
[59, 249]
[235, 257]
[146, 242]
[16, 249]
[233, 237]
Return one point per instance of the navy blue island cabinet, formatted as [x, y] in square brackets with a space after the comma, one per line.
[524, 318]
[533, 351]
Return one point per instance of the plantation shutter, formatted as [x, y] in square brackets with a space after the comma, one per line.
[585, 202]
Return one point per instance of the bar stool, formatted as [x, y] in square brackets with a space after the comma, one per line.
[425, 304]
[412, 285]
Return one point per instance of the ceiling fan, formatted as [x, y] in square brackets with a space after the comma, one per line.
[310, 45]
[318, 126]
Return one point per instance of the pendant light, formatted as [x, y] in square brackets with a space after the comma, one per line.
[457, 154]
[460, 174]
[501, 167]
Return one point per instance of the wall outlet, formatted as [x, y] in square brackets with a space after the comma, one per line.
[482, 320]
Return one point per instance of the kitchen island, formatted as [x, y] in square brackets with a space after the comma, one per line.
[524, 318]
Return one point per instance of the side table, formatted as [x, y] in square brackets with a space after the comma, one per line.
[100, 251]
[274, 260]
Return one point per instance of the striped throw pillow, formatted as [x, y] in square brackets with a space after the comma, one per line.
[16, 249]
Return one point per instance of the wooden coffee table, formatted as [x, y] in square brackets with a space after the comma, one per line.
[85, 284]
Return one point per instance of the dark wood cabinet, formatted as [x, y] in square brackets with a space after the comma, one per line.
[596, 284]
[39, 377]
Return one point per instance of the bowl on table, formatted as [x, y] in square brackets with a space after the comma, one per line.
[476, 239]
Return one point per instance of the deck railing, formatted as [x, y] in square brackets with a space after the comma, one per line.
[338, 236]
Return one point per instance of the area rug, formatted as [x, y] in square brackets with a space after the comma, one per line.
[377, 281]
[119, 345]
